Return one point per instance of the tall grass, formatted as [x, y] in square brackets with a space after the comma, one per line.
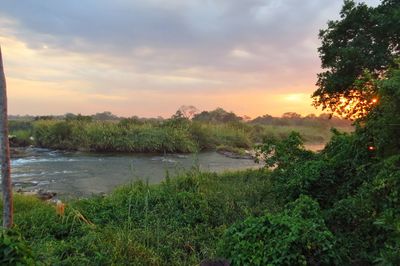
[177, 222]
[169, 136]
[109, 136]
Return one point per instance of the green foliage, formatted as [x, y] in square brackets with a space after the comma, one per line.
[79, 117]
[13, 249]
[341, 206]
[296, 236]
[312, 121]
[181, 219]
[15, 125]
[382, 125]
[177, 222]
[172, 135]
[365, 221]
[357, 189]
[386, 185]
[362, 45]
[283, 153]
[217, 115]
[21, 138]
[125, 136]
[20, 133]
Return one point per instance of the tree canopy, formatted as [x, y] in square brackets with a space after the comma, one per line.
[356, 50]
[217, 115]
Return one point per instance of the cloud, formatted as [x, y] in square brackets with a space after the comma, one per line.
[166, 46]
[179, 33]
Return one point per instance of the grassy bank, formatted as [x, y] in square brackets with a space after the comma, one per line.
[178, 222]
[336, 207]
[171, 135]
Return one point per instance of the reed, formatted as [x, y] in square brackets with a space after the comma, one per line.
[177, 222]
[168, 136]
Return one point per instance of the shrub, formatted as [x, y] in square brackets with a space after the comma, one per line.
[297, 236]
[13, 249]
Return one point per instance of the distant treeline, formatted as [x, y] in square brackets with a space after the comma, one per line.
[292, 118]
[218, 115]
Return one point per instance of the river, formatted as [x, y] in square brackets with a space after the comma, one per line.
[83, 174]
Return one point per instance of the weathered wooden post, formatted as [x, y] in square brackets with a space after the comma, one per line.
[5, 152]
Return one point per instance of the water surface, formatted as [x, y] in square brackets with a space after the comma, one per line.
[77, 173]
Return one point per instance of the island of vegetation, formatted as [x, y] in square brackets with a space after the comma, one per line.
[182, 133]
[339, 206]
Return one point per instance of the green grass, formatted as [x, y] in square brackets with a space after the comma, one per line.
[170, 136]
[177, 222]
[308, 133]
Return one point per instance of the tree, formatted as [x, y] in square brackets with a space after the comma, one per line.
[246, 118]
[218, 115]
[105, 116]
[356, 50]
[265, 119]
[382, 125]
[187, 111]
[5, 152]
[291, 115]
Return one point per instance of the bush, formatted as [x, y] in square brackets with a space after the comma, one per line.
[177, 222]
[13, 249]
[367, 222]
[20, 138]
[356, 188]
[297, 236]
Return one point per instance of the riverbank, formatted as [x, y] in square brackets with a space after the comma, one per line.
[178, 222]
[297, 212]
[149, 136]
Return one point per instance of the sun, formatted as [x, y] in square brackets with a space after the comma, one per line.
[294, 97]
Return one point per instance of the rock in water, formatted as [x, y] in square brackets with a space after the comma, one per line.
[45, 195]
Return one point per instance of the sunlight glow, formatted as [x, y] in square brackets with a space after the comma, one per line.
[296, 97]
[44, 79]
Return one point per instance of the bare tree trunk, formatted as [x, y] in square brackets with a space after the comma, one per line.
[5, 152]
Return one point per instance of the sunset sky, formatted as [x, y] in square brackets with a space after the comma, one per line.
[147, 58]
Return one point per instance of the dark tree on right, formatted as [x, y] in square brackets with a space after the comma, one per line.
[356, 51]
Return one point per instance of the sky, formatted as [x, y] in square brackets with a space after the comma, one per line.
[149, 57]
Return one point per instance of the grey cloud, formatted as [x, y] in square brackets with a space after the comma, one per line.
[279, 34]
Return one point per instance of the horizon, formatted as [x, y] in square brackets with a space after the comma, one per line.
[318, 115]
[89, 57]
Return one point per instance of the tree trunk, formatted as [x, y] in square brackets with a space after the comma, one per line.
[5, 152]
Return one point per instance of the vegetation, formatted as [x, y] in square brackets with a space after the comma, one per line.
[341, 206]
[14, 249]
[206, 131]
[337, 207]
[178, 222]
[355, 50]
[347, 207]
[296, 236]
